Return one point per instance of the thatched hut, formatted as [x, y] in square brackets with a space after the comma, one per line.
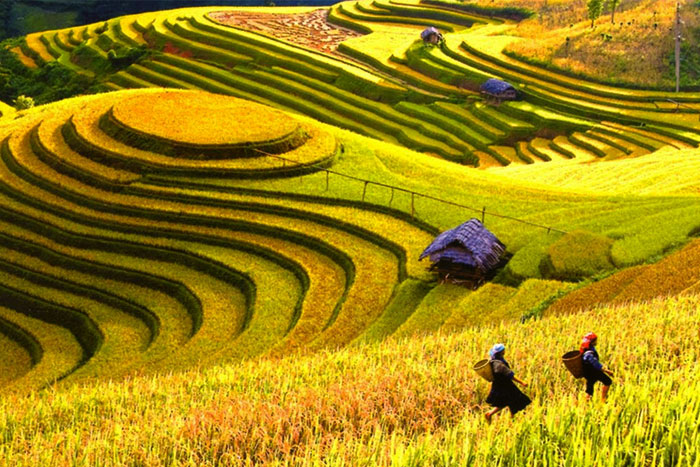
[498, 90]
[431, 35]
[468, 254]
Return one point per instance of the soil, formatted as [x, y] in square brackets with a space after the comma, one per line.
[310, 29]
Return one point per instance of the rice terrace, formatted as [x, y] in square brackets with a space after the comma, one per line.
[285, 235]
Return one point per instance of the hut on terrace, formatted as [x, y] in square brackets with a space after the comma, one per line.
[431, 35]
[467, 255]
[498, 90]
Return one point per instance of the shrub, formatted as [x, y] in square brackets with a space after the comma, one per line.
[577, 255]
[23, 102]
[526, 262]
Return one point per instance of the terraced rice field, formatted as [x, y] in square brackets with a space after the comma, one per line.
[158, 277]
[153, 244]
[250, 237]
[383, 82]
[242, 199]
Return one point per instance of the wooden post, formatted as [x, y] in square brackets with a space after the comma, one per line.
[678, 46]
[327, 175]
[483, 214]
[392, 196]
[364, 191]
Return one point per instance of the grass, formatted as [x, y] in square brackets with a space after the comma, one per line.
[122, 335]
[651, 20]
[49, 135]
[25, 59]
[428, 407]
[408, 296]
[646, 176]
[44, 267]
[530, 295]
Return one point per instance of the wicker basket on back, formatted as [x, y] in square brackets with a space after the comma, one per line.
[573, 361]
[483, 369]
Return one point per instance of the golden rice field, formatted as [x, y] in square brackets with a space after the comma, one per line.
[217, 262]
[401, 402]
[234, 121]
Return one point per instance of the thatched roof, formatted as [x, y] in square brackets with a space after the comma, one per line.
[496, 86]
[427, 32]
[470, 244]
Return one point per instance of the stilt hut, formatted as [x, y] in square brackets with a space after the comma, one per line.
[468, 254]
[497, 90]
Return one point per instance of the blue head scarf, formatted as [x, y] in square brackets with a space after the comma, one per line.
[496, 349]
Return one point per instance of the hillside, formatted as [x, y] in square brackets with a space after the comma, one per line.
[575, 187]
[22, 17]
[211, 225]
[634, 47]
[265, 237]
[408, 402]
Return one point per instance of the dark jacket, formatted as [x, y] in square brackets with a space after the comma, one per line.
[591, 359]
[504, 393]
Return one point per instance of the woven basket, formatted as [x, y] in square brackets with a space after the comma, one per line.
[573, 361]
[483, 369]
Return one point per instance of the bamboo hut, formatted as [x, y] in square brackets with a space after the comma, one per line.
[468, 254]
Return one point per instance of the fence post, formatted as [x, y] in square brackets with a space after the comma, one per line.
[392, 196]
[327, 175]
[483, 214]
[364, 191]
[413, 204]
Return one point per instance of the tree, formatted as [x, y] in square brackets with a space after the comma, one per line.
[595, 8]
[613, 6]
[6, 18]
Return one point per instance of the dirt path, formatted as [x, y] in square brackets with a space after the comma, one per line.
[310, 30]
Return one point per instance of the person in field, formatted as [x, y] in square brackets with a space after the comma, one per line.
[504, 393]
[593, 370]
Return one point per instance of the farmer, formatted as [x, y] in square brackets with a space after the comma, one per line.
[593, 370]
[503, 392]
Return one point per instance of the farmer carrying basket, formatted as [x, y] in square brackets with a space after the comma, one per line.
[593, 370]
[504, 393]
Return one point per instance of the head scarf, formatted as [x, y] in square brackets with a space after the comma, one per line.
[496, 349]
[587, 341]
